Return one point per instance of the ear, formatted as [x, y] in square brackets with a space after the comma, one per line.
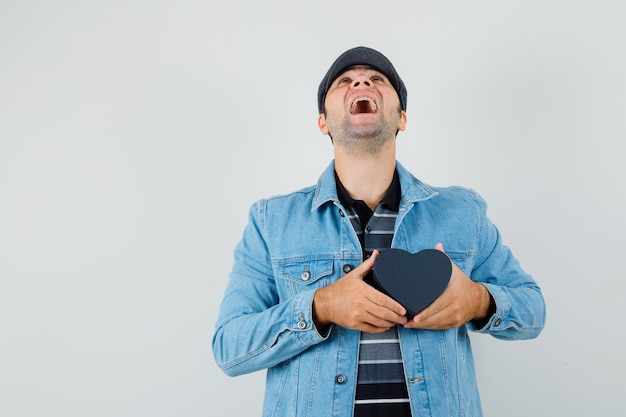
[402, 122]
[321, 123]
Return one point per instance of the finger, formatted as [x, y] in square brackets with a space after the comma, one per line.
[383, 306]
[431, 312]
[370, 328]
[385, 317]
[439, 247]
[437, 321]
[367, 265]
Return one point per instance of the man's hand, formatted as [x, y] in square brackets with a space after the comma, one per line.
[352, 303]
[462, 301]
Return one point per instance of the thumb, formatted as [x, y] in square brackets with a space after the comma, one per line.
[439, 247]
[367, 265]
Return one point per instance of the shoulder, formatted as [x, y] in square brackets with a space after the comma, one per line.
[459, 199]
[300, 195]
[458, 192]
[281, 204]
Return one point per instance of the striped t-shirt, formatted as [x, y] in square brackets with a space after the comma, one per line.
[381, 387]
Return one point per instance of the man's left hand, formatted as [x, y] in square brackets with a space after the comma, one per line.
[463, 300]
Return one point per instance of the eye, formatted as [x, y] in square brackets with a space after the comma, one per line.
[377, 78]
[343, 80]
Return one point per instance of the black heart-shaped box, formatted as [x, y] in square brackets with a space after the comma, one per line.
[414, 280]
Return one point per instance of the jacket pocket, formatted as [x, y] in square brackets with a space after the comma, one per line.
[306, 275]
[464, 260]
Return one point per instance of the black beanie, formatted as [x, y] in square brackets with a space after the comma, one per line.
[361, 55]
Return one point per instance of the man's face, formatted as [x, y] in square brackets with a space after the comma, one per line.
[362, 109]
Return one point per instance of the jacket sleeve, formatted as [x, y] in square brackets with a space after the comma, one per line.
[520, 311]
[256, 329]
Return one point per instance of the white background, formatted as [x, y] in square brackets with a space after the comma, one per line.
[135, 134]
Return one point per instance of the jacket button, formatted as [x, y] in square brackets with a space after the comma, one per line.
[302, 325]
[341, 213]
[497, 322]
[340, 379]
[305, 275]
[347, 268]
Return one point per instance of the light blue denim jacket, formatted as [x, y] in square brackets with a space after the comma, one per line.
[297, 243]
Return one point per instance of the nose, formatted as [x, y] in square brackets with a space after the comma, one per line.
[361, 80]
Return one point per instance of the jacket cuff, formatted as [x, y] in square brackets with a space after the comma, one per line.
[499, 308]
[302, 319]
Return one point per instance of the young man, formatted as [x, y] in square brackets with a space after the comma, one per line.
[299, 304]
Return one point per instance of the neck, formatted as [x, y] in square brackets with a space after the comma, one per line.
[366, 177]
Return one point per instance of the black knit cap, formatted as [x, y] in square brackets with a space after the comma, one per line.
[361, 55]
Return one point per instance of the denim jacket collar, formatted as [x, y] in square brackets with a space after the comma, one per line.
[413, 190]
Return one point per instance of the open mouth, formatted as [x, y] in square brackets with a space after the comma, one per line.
[363, 105]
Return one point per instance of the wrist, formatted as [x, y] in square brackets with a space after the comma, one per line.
[321, 322]
[486, 307]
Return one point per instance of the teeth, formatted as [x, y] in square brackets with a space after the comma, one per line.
[355, 103]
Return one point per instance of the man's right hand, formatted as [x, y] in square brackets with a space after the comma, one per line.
[352, 303]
